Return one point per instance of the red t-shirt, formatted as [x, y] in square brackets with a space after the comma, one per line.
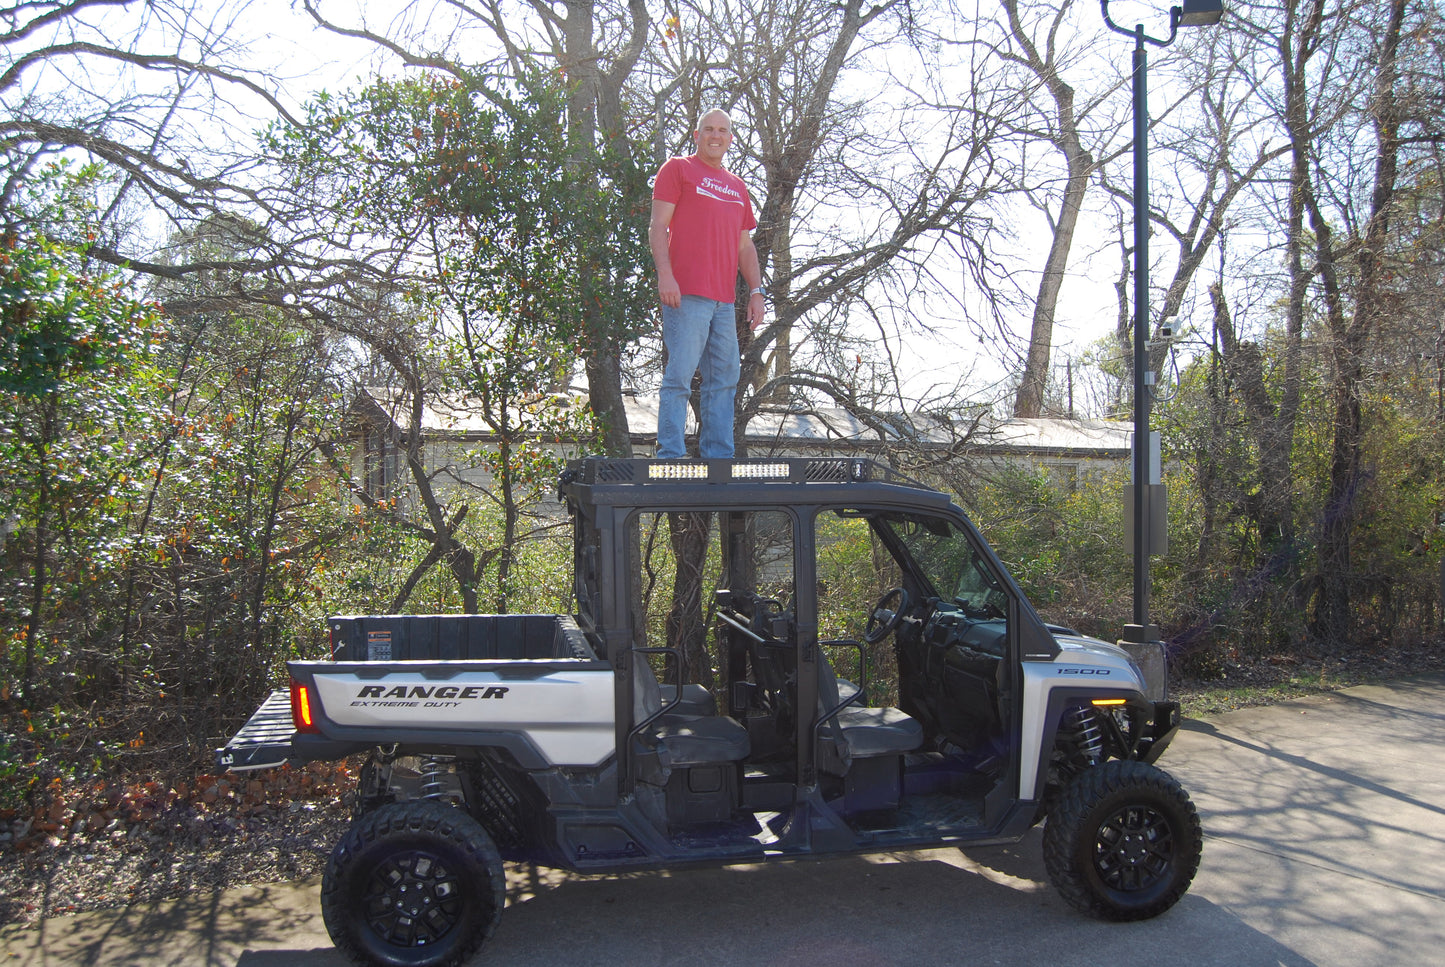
[713, 210]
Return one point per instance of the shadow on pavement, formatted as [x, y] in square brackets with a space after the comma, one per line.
[319, 956]
[1337, 775]
[940, 907]
[1323, 820]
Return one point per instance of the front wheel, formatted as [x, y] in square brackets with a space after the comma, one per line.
[414, 884]
[1123, 841]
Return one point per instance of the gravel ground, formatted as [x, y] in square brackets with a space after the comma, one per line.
[113, 845]
[99, 843]
[179, 853]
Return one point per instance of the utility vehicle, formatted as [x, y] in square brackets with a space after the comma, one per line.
[767, 717]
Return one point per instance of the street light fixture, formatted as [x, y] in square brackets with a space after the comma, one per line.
[1147, 489]
[1200, 13]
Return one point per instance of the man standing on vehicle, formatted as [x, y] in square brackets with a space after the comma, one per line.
[701, 237]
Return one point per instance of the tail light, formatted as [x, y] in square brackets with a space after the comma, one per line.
[303, 708]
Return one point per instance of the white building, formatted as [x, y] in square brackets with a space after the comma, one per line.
[456, 437]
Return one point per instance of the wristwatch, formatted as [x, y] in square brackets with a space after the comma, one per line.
[757, 291]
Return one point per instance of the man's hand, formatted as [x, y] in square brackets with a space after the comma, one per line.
[668, 292]
[756, 309]
[748, 265]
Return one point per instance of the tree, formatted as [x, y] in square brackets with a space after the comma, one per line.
[1343, 84]
[64, 332]
[595, 63]
[1351, 327]
[1216, 157]
[477, 226]
[1341, 100]
[140, 87]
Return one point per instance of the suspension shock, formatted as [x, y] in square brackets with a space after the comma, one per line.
[1082, 728]
[434, 777]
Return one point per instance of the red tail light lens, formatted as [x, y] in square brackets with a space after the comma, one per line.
[303, 708]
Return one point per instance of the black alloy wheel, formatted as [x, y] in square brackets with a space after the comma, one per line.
[1135, 849]
[1123, 842]
[415, 884]
[413, 899]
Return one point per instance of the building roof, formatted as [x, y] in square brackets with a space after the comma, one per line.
[818, 426]
[1064, 436]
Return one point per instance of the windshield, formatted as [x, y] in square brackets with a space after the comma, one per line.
[956, 571]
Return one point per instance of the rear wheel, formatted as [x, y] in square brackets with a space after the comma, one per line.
[1123, 841]
[415, 884]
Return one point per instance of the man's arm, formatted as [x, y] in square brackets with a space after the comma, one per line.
[667, 291]
[753, 276]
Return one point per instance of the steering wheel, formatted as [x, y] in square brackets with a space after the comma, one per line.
[881, 620]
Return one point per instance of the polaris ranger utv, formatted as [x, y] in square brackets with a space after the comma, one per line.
[576, 741]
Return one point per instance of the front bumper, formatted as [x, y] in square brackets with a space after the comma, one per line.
[1160, 731]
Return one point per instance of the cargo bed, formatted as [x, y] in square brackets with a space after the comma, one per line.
[527, 683]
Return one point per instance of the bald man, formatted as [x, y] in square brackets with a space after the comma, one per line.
[701, 238]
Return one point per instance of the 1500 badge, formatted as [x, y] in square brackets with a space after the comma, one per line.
[1084, 671]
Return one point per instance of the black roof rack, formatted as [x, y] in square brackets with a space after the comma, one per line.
[794, 470]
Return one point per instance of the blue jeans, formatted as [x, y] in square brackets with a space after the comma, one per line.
[701, 334]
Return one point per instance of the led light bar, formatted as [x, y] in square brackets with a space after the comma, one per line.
[760, 471]
[677, 471]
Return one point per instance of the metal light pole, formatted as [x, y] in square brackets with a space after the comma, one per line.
[1194, 13]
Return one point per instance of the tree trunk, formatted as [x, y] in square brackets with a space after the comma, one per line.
[1271, 425]
[1029, 402]
[597, 95]
[41, 447]
[1332, 620]
[604, 390]
[1032, 386]
[686, 629]
[507, 553]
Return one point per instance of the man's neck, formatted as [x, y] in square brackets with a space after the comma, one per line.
[716, 167]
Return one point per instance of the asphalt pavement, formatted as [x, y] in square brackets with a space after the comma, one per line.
[1324, 825]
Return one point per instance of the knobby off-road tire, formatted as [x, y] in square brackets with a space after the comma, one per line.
[1123, 842]
[415, 884]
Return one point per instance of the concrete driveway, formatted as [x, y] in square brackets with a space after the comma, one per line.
[1324, 845]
